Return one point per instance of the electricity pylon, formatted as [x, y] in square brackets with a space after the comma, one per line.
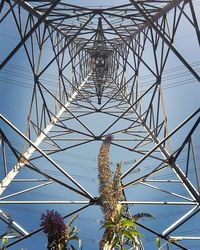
[108, 69]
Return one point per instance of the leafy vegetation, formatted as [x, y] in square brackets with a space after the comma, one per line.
[58, 233]
[120, 232]
[119, 227]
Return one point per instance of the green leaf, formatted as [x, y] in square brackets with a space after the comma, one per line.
[110, 236]
[128, 234]
[60, 246]
[4, 241]
[135, 232]
[116, 241]
[127, 223]
[73, 235]
[74, 238]
[72, 220]
[108, 245]
[74, 229]
[108, 224]
[79, 242]
[119, 209]
[158, 242]
[118, 214]
[142, 215]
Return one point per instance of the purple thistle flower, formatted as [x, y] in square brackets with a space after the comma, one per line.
[53, 223]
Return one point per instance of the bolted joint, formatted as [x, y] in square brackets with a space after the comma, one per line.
[95, 201]
[171, 159]
[97, 138]
[36, 78]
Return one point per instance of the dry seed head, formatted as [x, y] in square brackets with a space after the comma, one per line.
[105, 181]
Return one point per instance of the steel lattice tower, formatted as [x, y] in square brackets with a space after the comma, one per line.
[95, 71]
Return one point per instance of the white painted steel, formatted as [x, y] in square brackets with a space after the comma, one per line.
[12, 174]
[13, 223]
[179, 221]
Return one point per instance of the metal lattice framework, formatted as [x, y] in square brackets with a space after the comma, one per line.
[108, 69]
